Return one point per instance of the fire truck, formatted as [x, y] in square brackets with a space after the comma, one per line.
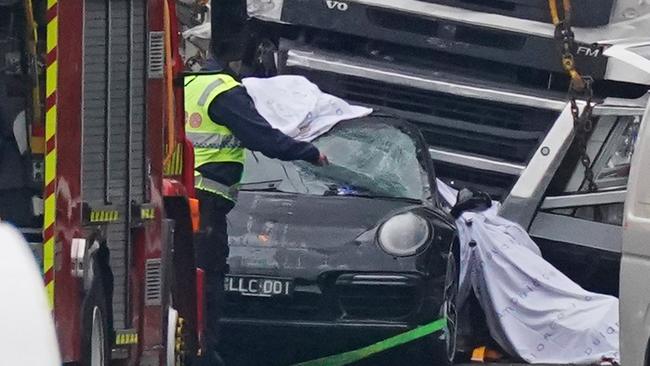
[97, 174]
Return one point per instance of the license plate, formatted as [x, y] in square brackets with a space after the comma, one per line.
[258, 286]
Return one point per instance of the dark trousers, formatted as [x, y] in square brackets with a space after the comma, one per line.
[211, 256]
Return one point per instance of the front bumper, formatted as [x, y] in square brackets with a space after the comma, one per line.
[346, 299]
[314, 340]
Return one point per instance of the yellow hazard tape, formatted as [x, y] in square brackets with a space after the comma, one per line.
[50, 167]
[52, 30]
[49, 209]
[50, 78]
[50, 122]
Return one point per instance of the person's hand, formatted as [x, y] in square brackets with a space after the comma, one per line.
[322, 160]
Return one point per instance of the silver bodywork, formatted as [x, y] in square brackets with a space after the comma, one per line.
[625, 50]
[630, 20]
[635, 261]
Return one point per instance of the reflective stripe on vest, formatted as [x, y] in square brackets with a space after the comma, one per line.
[206, 92]
[209, 185]
[212, 141]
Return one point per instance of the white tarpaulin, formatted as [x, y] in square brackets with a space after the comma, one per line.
[296, 106]
[533, 310]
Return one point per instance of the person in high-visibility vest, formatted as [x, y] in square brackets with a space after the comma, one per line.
[221, 122]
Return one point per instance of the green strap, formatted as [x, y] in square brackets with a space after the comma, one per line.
[349, 357]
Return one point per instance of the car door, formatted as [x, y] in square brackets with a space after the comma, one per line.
[634, 308]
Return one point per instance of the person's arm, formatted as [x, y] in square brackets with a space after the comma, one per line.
[235, 110]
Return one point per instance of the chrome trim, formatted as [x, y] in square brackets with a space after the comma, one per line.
[379, 277]
[618, 111]
[476, 162]
[521, 204]
[584, 233]
[621, 107]
[620, 30]
[322, 61]
[328, 62]
[585, 199]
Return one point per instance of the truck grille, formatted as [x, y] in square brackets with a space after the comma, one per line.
[300, 306]
[586, 13]
[377, 302]
[476, 126]
[434, 28]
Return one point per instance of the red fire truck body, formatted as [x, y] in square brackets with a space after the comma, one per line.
[116, 244]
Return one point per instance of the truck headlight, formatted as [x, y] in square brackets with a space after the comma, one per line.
[404, 234]
[265, 9]
[614, 164]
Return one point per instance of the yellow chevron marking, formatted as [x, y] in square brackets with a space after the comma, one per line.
[50, 78]
[52, 33]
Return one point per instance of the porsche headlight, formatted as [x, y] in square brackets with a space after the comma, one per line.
[404, 234]
[614, 165]
[265, 9]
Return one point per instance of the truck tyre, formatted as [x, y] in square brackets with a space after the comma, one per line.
[95, 341]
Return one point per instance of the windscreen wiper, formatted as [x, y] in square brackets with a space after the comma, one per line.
[335, 190]
[265, 185]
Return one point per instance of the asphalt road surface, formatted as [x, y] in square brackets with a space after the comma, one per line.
[267, 352]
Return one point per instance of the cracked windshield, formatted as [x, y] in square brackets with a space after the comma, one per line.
[374, 160]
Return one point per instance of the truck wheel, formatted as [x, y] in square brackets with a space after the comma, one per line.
[95, 341]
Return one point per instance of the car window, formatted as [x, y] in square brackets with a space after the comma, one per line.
[367, 159]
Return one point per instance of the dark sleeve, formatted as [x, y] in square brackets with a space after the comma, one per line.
[235, 110]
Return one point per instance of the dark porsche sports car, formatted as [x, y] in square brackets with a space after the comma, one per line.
[326, 260]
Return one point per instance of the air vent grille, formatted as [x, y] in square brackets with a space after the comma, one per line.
[153, 282]
[156, 55]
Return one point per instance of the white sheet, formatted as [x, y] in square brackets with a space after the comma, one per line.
[296, 106]
[532, 309]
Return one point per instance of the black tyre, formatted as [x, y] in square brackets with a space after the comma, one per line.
[96, 334]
